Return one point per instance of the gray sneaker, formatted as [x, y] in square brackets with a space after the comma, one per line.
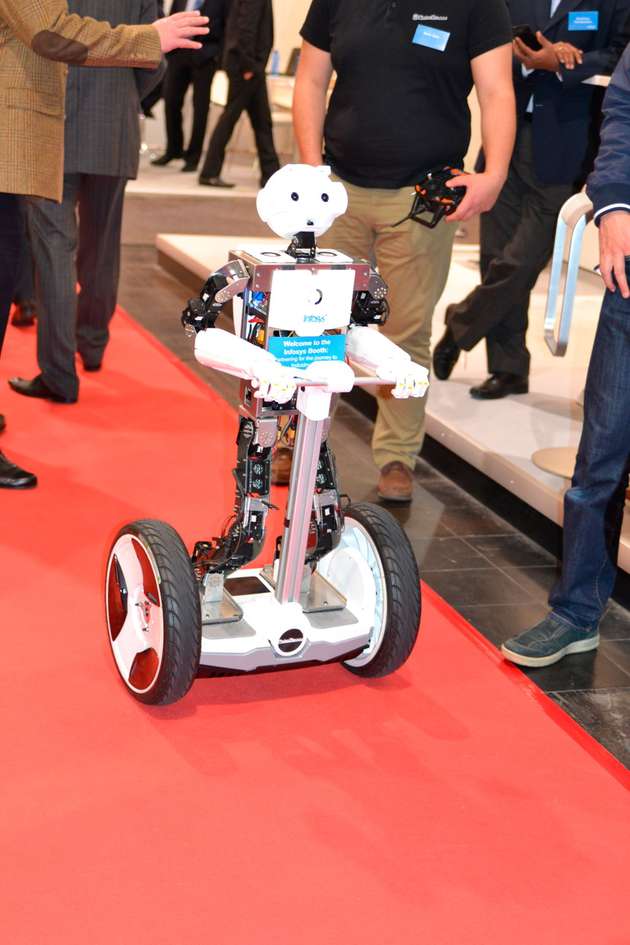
[548, 642]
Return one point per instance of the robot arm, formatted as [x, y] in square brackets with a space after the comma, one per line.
[221, 286]
[219, 349]
[371, 351]
[370, 306]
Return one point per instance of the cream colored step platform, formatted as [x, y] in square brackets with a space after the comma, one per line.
[497, 437]
[170, 181]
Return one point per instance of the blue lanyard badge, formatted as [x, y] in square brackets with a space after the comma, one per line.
[584, 20]
[430, 37]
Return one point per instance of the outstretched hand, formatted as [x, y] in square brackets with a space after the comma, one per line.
[175, 31]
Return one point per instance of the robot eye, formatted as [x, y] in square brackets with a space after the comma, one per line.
[295, 196]
[325, 198]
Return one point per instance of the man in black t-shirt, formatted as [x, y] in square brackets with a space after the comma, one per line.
[399, 109]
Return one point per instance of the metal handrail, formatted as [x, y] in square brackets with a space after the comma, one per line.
[360, 381]
[572, 220]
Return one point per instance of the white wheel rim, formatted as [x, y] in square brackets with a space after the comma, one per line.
[368, 587]
[135, 619]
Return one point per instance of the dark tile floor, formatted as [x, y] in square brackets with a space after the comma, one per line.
[496, 576]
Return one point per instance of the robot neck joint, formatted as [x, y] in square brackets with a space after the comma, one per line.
[303, 247]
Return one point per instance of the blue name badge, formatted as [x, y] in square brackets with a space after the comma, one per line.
[584, 20]
[298, 353]
[430, 37]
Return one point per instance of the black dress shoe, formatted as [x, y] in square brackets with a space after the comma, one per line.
[500, 385]
[23, 315]
[189, 167]
[445, 355]
[165, 159]
[37, 388]
[214, 182]
[12, 477]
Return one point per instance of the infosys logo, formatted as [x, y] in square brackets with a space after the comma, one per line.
[428, 16]
[317, 319]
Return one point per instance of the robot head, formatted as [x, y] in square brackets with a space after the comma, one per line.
[300, 198]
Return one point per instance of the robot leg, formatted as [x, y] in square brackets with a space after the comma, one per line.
[326, 516]
[243, 539]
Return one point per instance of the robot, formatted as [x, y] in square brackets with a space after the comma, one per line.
[343, 585]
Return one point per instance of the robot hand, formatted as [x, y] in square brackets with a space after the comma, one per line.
[410, 380]
[273, 382]
[197, 316]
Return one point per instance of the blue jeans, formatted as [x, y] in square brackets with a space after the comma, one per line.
[594, 505]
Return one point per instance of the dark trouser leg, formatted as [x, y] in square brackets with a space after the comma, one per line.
[53, 232]
[176, 82]
[239, 94]
[25, 283]
[11, 236]
[517, 241]
[153, 97]
[260, 116]
[202, 81]
[594, 505]
[98, 261]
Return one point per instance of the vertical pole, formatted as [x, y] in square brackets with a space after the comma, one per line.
[308, 441]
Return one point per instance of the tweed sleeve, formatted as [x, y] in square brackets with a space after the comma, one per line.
[50, 31]
[146, 81]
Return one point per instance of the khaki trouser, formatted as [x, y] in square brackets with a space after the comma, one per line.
[414, 262]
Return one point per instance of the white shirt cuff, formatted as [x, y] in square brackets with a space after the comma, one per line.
[611, 207]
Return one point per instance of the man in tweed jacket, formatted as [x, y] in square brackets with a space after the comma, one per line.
[36, 38]
[102, 146]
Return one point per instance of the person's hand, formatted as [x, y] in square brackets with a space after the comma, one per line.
[614, 247]
[248, 75]
[545, 58]
[568, 55]
[482, 191]
[175, 31]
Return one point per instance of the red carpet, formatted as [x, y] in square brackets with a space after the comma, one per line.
[449, 805]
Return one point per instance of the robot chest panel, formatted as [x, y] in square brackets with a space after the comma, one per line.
[311, 300]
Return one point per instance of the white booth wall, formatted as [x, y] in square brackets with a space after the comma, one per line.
[288, 16]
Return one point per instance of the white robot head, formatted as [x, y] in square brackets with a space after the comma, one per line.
[300, 198]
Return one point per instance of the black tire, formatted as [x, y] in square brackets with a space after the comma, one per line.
[402, 589]
[179, 599]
